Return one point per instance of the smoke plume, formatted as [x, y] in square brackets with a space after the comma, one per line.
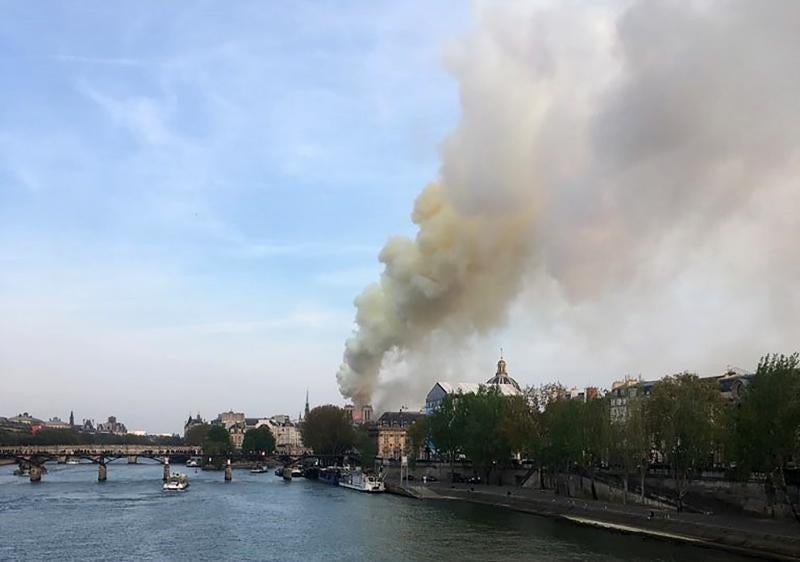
[598, 146]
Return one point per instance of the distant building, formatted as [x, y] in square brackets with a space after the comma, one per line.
[732, 383]
[192, 422]
[71, 419]
[56, 423]
[237, 431]
[359, 414]
[288, 438]
[230, 418]
[112, 426]
[501, 381]
[6, 424]
[625, 390]
[25, 418]
[581, 395]
[390, 433]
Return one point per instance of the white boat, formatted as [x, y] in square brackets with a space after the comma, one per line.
[296, 472]
[192, 463]
[176, 482]
[73, 460]
[258, 469]
[357, 480]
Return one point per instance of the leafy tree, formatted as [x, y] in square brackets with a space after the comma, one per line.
[519, 425]
[418, 435]
[684, 416]
[595, 423]
[481, 415]
[258, 442]
[631, 443]
[767, 421]
[563, 438]
[197, 434]
[217, 442]
[366, 444]
[446, 428]
[328, 430]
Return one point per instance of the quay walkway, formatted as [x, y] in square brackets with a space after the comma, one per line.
[765, 538]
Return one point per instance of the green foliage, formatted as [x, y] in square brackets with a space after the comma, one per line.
[197, 434]
[519, 425]
[366, 445]
[562, 439]
[328, 430]
[482, 416]
[486, 426]
[685, 415]
[418, 435]
[66, 436]
[258, 442]
[630, 442]
[218, 442]
[447, 428]
[595, 423]
[767, 419]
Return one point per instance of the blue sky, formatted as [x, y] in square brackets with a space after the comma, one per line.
[192, 195]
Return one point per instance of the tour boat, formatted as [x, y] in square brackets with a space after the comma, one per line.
[258, 469]
[176, 482]
[357, 480]
[193, 463]
[73, 460]
[330, 475]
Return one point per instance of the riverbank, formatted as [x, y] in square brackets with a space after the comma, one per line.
[764, 538]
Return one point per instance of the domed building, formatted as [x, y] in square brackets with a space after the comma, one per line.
[501, 380]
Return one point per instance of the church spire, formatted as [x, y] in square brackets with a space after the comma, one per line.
[307, 408]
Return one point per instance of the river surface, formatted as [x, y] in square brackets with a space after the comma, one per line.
[70, 516]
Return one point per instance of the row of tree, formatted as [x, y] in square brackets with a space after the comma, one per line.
[329, 431]
[66, 436]
[216, 441]
[684, 423]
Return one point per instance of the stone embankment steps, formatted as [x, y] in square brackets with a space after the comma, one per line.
[762, 538]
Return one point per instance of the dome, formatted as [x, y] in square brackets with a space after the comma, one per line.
[501, 377]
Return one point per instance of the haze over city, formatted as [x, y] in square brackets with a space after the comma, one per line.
[192, 197]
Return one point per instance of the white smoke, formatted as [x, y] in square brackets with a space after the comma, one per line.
[597, 147]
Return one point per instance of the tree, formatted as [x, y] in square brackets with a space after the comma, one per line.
[366, 444]
[446, 429]
[418, 435]
[518, 425]
[197, 434]
[258, 442]
[767, 421]
[328, 430]
[595, 422]
[217, 442]
[631, 443]
[685, 414]
[481, 415]
[563, 439]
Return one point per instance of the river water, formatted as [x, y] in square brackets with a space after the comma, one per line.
[70, 516]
